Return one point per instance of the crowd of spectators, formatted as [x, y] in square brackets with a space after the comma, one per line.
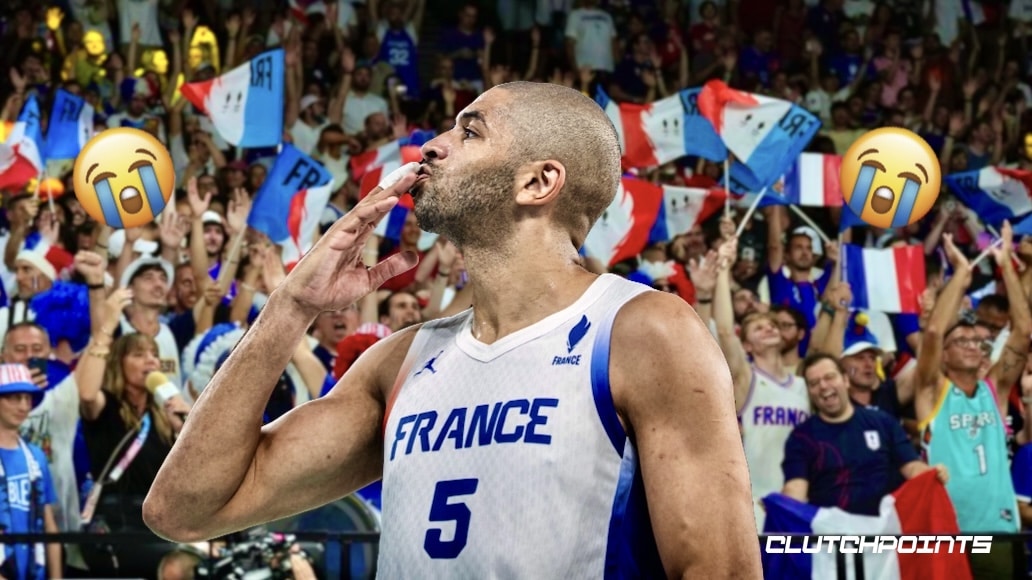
[103, 308]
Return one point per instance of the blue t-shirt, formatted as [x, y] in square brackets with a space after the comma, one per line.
[454, 40]
[19, 494]
[903, 325]
[398, 49]
[802, 296]
[850, 465]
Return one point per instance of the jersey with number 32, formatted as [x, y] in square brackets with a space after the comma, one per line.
[508, 460]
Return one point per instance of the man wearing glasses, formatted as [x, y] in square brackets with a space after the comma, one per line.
[961, 411]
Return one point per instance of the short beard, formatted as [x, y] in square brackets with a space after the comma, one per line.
[473, 210]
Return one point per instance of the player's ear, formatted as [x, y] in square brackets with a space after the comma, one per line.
[539, 182]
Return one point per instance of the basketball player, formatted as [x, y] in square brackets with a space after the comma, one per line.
[960, 415]
[568, 426]
[770, 398]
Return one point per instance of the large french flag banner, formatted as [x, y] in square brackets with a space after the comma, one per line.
[682, 209]
[920, 507]
[624, 229]
[290, 202]
[659, 132]
[21, 156]
[245, 104]
[764, 134]
[994, 193]
[885, 280]
[70, 127]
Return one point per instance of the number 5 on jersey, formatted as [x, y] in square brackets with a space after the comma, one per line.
[443, 511]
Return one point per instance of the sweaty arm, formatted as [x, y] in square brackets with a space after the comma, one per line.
[234, 473]
[673, 393]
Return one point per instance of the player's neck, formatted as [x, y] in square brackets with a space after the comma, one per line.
[514, 289]
[770, 362]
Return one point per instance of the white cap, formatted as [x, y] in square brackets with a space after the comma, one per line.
[116, 242]
[142, 261]
[39, 261]
[815, 238]
[211, 217]
[308, 101]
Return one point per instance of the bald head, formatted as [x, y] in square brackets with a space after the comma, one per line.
[555, 122]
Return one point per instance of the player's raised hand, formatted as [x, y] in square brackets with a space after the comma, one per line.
[332, 275]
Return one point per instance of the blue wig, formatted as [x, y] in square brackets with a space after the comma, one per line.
[64, 312]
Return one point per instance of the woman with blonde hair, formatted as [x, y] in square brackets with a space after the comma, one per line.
[128, 435]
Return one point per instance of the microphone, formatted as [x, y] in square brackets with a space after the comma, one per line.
[163, 390]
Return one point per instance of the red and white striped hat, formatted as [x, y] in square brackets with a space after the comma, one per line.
[15, 379]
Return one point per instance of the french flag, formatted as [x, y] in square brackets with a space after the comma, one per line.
[374, 174]
[889, 280]
[624, 229]
[813, 180]
[920, 506]
[70, 128]
[245, 104]
[994, 193]
[21, 156]
[702, 139]
[390, 226]
[764, 134]
[659, 132]
[290, 202]
[369, 160]
[682, 209]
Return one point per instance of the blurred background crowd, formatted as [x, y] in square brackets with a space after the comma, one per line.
[93, 311]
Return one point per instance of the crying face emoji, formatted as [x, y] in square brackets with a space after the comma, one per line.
[123, 177]
[890, 178]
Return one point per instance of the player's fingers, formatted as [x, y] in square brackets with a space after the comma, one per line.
[362, 216]
[393, 266]
[397, 182]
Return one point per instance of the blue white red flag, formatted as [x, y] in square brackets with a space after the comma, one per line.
[70, 126]
[245, 104]
[764, 134]
[21, 156]
[920, 506]
[290, 202]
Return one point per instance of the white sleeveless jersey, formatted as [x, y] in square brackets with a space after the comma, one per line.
[508, 460]
[772, 409]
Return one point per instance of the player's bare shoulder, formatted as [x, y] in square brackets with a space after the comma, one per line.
[658, 343]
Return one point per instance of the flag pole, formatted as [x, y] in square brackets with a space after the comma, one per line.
[748, 214]
[841, 259]
[985, 253]
[811, 223]
[727, 187]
